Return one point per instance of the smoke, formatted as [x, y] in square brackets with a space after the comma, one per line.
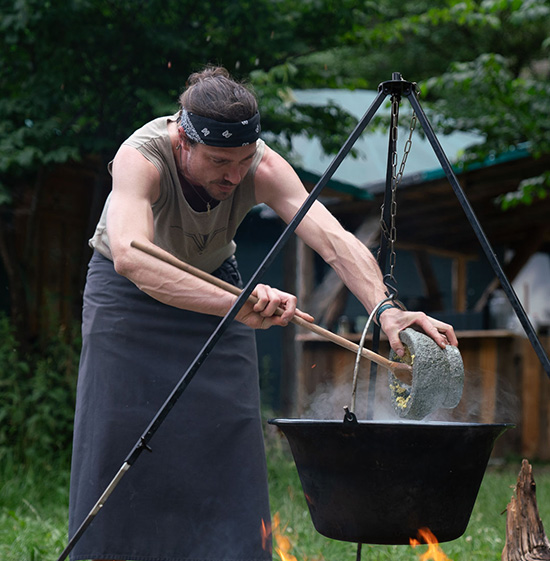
[328, 401]
[486, 398]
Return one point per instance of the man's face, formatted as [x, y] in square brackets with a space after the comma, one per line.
[217, 170]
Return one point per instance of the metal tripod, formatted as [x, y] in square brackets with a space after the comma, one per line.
[395, 87]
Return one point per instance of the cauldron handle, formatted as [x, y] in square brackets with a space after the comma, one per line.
[349, 417]
[393, 300]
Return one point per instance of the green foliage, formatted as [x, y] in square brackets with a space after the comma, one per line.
[283, 117]
[529, 190]
[506, 104]
[37, 398]
[491, 83]
[78, 77]
[483, 67]
[417, 38]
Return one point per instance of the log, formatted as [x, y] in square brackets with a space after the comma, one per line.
[525, 537]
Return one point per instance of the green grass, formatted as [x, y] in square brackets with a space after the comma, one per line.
[33, 514]
[33, 511]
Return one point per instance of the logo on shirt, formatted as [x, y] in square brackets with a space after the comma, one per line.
[202, 241]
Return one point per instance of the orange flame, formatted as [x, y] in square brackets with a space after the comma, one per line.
[266, 536]
[284, 545]
[434, 551]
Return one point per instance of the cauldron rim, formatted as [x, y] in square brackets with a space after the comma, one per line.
[388, 423]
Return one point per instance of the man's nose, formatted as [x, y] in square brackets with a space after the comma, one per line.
[233, 175]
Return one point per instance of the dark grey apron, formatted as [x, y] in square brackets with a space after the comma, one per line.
[202, 492]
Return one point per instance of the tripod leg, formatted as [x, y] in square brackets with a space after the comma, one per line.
[490, 254]
[97, 507]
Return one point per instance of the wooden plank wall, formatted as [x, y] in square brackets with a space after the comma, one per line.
[535, 426]
[68, 204]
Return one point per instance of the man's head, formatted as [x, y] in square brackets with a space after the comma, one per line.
[218, 111]
[218, 127]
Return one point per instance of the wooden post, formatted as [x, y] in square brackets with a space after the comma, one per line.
[531, 388]
[525, 537]
[427, 275]
[488, 364]
[460, 277]
[304, 265]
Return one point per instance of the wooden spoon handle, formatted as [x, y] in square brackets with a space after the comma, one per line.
[401, 370]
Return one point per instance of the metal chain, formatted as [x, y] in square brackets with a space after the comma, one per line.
[397, 176]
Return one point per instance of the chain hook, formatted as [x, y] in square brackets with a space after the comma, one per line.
[390, 231]
[391, 284]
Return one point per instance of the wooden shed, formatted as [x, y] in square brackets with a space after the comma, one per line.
[505, 381]
[54, 216]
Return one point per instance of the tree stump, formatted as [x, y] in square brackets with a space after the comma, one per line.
[525, 537]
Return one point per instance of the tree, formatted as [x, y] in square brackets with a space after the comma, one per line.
[78, 76]
[483, 66]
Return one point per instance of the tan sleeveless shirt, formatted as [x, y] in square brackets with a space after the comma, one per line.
[204, 240]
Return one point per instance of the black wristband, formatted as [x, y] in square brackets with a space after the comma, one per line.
[382, 309]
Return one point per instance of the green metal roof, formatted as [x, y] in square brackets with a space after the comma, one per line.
[356, 175]
[514, 154]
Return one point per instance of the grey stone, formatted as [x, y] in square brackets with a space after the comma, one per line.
[437, 377]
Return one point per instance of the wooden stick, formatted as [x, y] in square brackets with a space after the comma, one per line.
[401, 370]
[525, 537]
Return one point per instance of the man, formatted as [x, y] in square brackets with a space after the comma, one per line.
[185, 182]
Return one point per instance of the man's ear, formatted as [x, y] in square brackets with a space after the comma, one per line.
[185, 142]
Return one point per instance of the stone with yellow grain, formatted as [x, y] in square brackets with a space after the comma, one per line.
[437, 377]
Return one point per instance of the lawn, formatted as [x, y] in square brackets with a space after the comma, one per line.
[33, 512]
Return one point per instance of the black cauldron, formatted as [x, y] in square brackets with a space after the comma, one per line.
[380, 482]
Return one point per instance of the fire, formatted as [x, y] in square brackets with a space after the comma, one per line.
[266, 536]
[283, 543]
[435, 553]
